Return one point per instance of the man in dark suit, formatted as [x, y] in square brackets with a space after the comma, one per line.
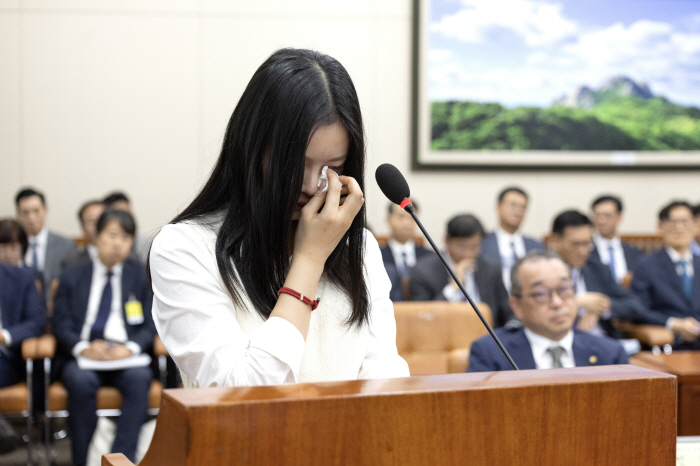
[430, 281]
[543, 299]
[88, 215]
[506, 244]
[103, 313]
[22, 316]
[47, 250]
[599, 297]
[620, 257]
[401, 253]
[668, 281]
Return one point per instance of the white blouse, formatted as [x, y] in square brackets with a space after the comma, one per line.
[216, 343]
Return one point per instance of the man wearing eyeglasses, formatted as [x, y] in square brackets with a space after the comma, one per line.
[599, 297]
[543, 298]
[666, 280]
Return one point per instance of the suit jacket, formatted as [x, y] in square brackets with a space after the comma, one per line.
[632, 255]
[58, 248]
[70, 307]
[489, 247]
[623, 303]
[23, 312]
[79, 257]
[658, 285]
[396, 293]
[589, 350]
[429, 277]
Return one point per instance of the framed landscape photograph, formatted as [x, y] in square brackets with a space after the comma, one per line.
[556, 84]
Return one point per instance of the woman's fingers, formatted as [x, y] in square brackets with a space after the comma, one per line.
[355, 199]
[333, 194]
[316, 201]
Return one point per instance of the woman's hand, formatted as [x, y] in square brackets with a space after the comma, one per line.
[318, 233]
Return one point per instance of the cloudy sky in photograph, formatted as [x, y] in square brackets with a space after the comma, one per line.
[530, 52]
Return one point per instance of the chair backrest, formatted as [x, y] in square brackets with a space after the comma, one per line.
[434, 337]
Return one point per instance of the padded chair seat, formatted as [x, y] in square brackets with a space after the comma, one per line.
[13, 399]
[107, 397]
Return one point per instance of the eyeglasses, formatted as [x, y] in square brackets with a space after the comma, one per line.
[544, 295]
[683, 222]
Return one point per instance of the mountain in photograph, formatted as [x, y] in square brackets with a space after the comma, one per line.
[615, 88]
[620, 115]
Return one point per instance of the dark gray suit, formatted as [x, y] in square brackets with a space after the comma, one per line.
[489, 247]
[58, 248]
[429, 277]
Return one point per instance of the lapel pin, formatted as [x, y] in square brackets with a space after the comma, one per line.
[593, 359]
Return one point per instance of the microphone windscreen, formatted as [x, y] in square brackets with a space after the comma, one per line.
[392, 183]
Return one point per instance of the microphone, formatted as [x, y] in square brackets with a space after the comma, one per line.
[395, 188]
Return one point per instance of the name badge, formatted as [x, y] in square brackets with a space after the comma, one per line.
[134, 311]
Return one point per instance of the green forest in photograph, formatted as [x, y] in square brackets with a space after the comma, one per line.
[621, 115]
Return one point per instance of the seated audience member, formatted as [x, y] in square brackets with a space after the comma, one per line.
[13, 247]
[142, 243]
[607, 247]
[13, 242]
[430, 280]
[543, 299]
[88, 215]
[47, 250]
[103, 312]
[401, 253]
[506, 244]
[22, 316]
[666, 280]
[599, 298]
[695, 245]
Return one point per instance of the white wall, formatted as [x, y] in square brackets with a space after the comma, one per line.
[135, 95]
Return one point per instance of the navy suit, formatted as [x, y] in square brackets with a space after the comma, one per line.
[632, 255]
[589, 350]
[658, 285]
[429, 277]
[623, 303]
[23, 316]
[489, 247]
[70, 309]
[396, 293]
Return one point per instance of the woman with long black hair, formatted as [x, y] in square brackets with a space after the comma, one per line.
[266, 277]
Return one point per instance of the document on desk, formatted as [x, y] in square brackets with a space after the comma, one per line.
[138, 360]
[688, 451]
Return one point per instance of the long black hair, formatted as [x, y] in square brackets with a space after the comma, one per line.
[258, 178]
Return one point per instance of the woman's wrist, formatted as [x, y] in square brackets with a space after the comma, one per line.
[304, 275]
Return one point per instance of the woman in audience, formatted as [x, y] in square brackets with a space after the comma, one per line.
[13, 242]
[237, 275]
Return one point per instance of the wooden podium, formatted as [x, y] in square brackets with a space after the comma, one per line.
[612, 415]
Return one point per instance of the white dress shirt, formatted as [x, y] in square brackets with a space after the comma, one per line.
[216, 343]
[507, 245]
[454, 295]
[92, 252]
[41, 241]
[115, 329]
[398, 250]
[6, 334]
[540, 345]
[676, 257]
[603, 247]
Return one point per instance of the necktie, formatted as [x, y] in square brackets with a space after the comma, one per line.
[515, 254]
[556, 353]
[404, 265]
[35, 257]
[98, 327]
[686, 279]
[612, 261]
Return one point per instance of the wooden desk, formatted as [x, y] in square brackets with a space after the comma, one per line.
[686, 366]
[611, 415]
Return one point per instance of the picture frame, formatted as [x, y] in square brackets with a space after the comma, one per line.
[438, 143]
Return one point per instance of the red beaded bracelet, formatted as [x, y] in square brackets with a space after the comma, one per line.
[299, 296]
